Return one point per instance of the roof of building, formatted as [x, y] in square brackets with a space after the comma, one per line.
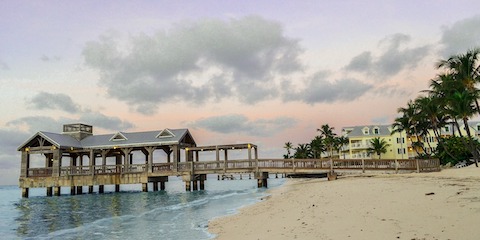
[159, 137]
[360, 131]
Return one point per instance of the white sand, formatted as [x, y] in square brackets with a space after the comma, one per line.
[441, 205]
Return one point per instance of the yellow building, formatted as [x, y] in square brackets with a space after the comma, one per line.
[401, 145]
[361, 136]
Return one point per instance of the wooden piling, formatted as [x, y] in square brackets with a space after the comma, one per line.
[56, 191]
[117, 187]
[90, 189]
[145, 187]
[100, 188]
[25, 192]
[49, 191]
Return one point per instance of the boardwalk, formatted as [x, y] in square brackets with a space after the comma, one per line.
[194, 173]
[77, 158]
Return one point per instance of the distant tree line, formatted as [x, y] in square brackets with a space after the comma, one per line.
[323, 144]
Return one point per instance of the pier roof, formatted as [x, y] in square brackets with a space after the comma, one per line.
[119, 139]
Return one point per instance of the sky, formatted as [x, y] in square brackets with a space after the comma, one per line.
[264, 72]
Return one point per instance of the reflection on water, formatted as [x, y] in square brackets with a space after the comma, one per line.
[173, 214]
[42, 215]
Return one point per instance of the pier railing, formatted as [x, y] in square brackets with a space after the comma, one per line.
[245, 165]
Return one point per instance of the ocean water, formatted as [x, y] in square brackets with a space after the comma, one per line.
[130, 214]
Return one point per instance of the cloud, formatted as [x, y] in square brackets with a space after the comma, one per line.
[100, 120]
[393, 58]
[461, 36]
[4, 66]
[10, 140]
[319, 89]
[208, 60]
[63, 102]
[46, 58]
[9, 156]
[237, 123]
[392, 91]
[33, 124]
[44, 100]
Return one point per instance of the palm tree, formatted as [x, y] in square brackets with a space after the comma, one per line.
[317, 146]
[288, 146]
[340, 142]
[411, 123]
[303, 151]
[328, 137]
[465, 69]
[379, 146]
[461, 94]
[433, 109]
[461, 108]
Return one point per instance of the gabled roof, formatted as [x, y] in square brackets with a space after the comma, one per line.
[136, 138]
[56, 139]
[159, 137]
[165, 133]
[118, 137]
[357, 131]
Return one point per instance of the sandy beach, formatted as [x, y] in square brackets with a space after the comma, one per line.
[439, 205]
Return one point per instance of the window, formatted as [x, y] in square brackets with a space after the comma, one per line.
[447, 129]
[401, 150]
[376, 131]
[401, 140]
[366, 131]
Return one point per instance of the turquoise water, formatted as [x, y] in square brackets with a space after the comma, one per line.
[130, 214]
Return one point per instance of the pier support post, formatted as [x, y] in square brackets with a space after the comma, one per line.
[49, 191]
[187, 186]
[332, 176]
[155, 186]
[73, 190]
[79, 190]
[117, 187]
[100, 189]
[396, 166]
[56, 191]
[261, 179]
[25, 192]
[195, 185]
[162, 185]
[202, 184]
[145, 187]
[90, 189]
[363, 165]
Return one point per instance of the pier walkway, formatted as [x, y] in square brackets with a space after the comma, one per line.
[195, 173]
[76, 158]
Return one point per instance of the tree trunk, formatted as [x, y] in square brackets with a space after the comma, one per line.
[473, 149]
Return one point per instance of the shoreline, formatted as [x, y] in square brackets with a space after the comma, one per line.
[438, 205]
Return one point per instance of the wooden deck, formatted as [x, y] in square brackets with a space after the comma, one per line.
[191, 172]
[248, 166]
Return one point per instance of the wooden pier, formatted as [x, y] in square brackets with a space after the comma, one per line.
[71, 159]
